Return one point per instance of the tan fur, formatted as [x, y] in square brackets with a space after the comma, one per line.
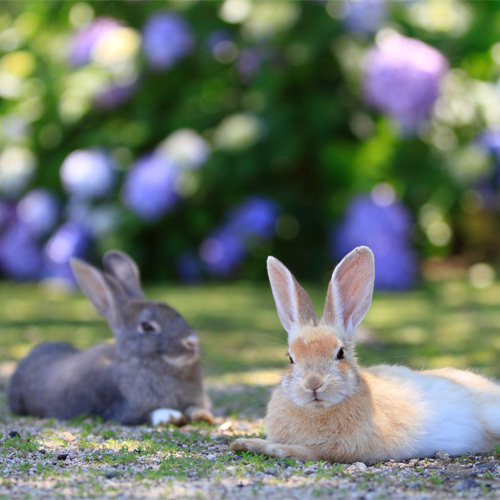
[371, 425]
[328, 408]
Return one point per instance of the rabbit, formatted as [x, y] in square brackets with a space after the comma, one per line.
[151, 374]
[329, 408]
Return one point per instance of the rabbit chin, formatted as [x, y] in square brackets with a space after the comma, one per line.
[181, 360]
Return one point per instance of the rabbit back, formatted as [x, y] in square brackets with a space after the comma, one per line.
[58, 380]
[25, 383]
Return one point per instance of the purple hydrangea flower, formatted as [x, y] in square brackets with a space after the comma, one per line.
[489, 140]
[189, 267]
[114, 96]
[222, 252]
[88, 173]
[386, 230]
[365, 16]
[255, 217]
[20, 254]
[248, 64]
[402, 77]
[7, 213]
[217, 37]
[166, 39]
[84, 40]
[38, 211]
[226, 248]
[70, 240]
[149, 189]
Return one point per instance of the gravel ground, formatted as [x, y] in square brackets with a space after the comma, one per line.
[41, 458]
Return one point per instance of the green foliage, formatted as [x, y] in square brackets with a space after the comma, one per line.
[318, 145]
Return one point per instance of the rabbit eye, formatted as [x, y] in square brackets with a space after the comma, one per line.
[340, 354]
[148, 326]
[290, 358]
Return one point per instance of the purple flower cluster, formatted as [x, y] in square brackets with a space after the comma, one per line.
[365, 16]
[84, 41]
[23, 256]
[149, 188]
[88, 173]
[70, 240]
[489, 188]
[20, 256]
[38, 211]
[226, 247]
[402, 77]
[166, 39]
[386, 230]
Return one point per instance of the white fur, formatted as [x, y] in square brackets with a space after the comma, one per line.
[179, 361]
[165, 416]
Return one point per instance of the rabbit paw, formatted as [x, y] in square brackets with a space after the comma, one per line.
[202, 415]
[167, 416]
[260, 447]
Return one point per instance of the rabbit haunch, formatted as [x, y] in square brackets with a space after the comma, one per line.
[151, 374]
[329, 408]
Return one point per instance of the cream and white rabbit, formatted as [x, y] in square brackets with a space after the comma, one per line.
[329, 408]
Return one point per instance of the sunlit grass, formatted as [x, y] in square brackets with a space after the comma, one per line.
[440, 324]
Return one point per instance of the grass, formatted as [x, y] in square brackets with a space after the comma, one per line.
[446, 324]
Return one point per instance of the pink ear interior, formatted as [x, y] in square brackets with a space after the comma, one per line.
[351, 288]
[294, 306]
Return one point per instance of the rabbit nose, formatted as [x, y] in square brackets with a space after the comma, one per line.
[314, 382]
[191, 342]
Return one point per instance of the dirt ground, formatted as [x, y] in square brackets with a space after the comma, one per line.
[42, 458]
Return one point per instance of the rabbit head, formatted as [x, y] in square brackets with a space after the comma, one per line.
[141, 328]
[323, 368]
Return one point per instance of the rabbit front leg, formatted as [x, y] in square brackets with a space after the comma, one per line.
[197, 414]
[282, 451]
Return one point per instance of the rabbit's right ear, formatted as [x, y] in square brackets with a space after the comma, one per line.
[294, 306]
[350, 291]
[125, 270]
[102, 292]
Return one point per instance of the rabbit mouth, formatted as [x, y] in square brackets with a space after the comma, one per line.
[180, 361]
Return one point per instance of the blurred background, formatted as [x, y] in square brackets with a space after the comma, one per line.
[202, 136]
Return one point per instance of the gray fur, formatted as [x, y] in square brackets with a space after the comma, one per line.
[125, 381]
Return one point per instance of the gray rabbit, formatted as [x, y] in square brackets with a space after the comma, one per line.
[151, 374]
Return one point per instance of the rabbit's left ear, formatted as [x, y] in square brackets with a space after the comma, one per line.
[125, 270]
[350, 291]
[294, 306]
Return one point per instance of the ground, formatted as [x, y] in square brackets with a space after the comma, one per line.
[243, 348]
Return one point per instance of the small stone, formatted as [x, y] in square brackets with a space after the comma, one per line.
[442, 455]
[360, 466]
[309, 470]
[270, 470]
[42, 451]
[226, 425]
[110, 475]
[14, 434]
[62, 456]
[466, 484]
[211, 456]
[483, 467]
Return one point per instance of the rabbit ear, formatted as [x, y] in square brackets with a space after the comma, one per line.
[350, 291]
[125, 270]
[103, 292]
[294, 306]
